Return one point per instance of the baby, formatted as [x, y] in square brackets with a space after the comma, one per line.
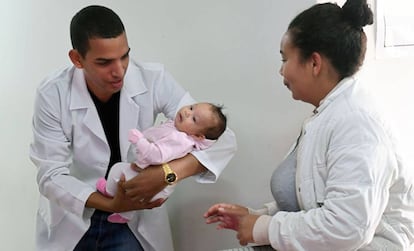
[195, 127]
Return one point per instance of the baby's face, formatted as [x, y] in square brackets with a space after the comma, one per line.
[194, 119]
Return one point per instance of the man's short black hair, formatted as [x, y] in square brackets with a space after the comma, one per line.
[94, 22]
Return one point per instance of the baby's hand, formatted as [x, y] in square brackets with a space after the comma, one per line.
[134, 135]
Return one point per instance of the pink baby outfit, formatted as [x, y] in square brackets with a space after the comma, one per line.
[163, 143]
[153, 146]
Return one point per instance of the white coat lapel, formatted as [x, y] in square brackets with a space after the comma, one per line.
[81, 99]
[128, 109]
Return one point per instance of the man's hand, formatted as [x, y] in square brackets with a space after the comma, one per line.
[122, 202]
[150, 180]
[145, 185]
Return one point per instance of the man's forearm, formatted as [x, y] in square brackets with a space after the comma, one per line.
[98, 201]
[186, 166]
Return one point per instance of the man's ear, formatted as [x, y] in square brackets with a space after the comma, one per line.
[316, 60]
[75, 58]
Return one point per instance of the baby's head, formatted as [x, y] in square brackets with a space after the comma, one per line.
[201, 120]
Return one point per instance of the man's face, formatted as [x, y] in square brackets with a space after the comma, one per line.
[105, 64]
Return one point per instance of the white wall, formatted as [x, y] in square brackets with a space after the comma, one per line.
[224, 51]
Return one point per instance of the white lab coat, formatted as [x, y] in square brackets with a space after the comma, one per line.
[71, 152]
[355, 189]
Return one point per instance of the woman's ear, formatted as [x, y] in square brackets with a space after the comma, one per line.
[316, 60]
[75, 58]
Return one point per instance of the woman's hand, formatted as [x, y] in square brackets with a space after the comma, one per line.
[219, 213]
[233, 217]
[144, 186]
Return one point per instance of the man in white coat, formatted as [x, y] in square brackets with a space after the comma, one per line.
[81, 120]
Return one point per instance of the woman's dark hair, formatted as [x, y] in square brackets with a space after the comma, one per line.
[93, 22]
[334, 32]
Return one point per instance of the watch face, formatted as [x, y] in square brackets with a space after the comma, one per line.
[170, 177]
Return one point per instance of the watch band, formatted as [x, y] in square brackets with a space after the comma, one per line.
[170, 177]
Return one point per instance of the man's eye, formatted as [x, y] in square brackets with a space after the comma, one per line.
[103, 63]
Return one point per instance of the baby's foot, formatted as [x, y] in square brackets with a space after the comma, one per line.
[117, 218]
[101, 186]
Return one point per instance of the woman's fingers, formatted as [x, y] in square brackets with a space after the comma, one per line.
[233, 210]
[225, 207]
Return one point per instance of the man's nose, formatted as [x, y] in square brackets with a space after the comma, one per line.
[117, 69]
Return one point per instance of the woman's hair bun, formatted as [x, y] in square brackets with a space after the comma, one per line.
[357, 13]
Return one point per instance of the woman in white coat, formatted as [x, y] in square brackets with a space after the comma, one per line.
[81, 120]
[344, 185]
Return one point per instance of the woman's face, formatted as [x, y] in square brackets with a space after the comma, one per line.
[296, 73]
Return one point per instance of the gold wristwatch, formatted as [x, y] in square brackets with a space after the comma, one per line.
[170, 176]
